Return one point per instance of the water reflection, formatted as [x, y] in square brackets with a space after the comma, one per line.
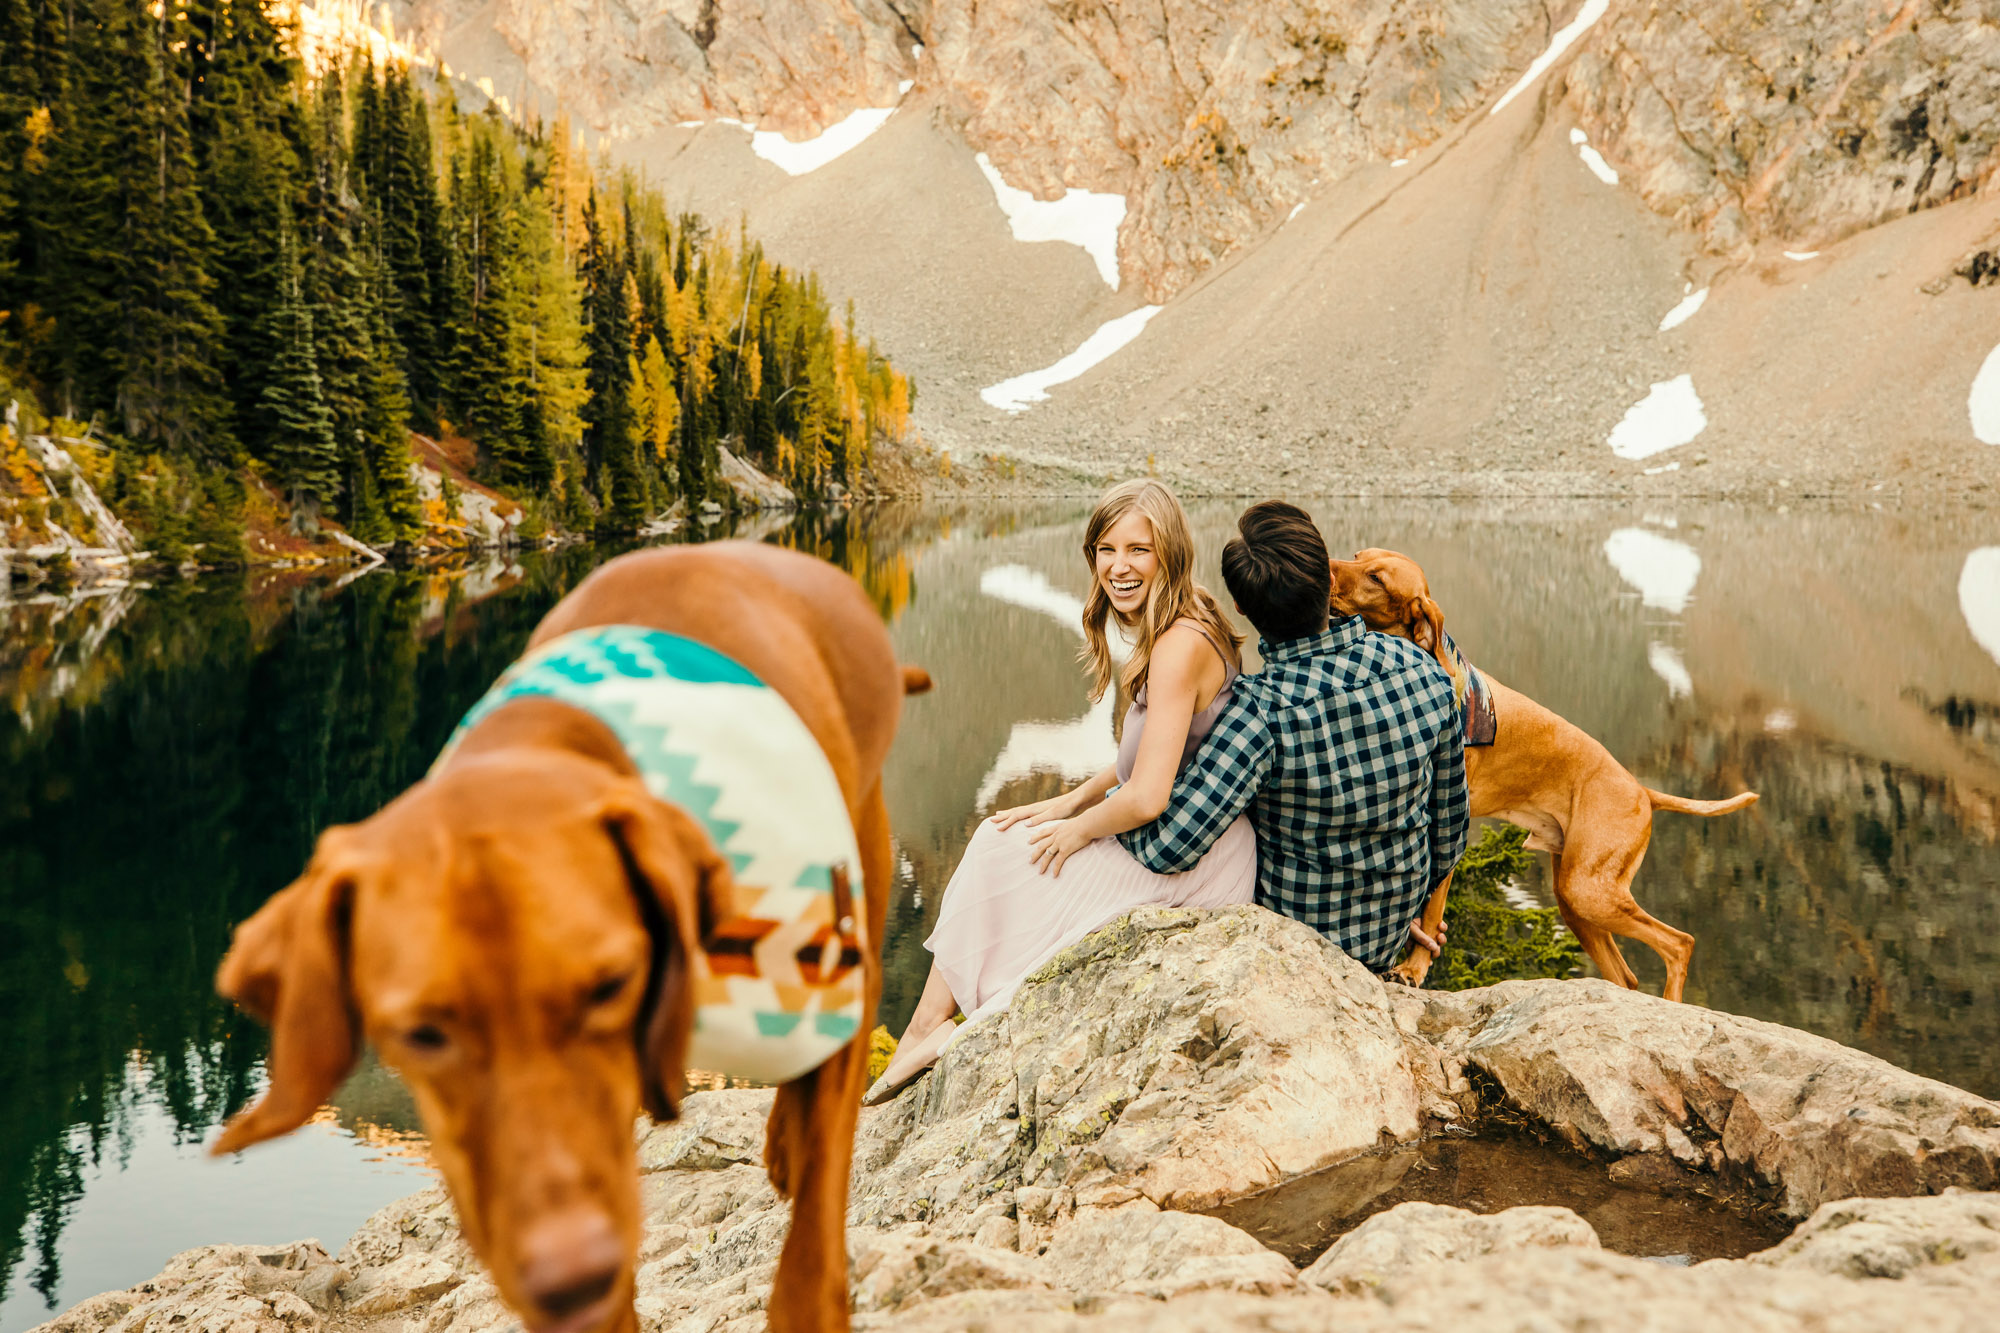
[168, 754]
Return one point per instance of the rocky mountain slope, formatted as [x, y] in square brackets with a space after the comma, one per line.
[1414, 244]
[1052, 1171]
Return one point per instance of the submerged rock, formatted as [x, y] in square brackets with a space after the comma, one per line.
[1411, 1235]
[1038, 1176]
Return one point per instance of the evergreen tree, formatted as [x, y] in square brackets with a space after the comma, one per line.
[413, 242]
[610, 435]
[19, 80]
[385, 423]
[302, 445]
[86, 269]
[248, 128]
[491, 366]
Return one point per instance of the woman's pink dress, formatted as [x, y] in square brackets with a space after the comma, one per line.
[1001, 918]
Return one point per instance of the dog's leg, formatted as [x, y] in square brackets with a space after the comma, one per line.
[1417, 965]
[1675, 947]
[1573, 896]
[809, 1143]
[810, 1149]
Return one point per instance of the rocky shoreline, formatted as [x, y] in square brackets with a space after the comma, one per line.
[1048, 1172]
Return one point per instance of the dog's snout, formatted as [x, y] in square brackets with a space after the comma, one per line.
[570, 1263]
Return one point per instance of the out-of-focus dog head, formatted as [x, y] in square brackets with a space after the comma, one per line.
[1389, 592]
[514, 938]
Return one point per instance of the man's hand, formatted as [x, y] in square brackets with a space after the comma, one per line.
[1436, 946]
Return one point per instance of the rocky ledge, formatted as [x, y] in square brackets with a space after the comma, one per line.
[1051, 1172]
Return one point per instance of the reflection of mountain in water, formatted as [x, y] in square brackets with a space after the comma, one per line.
[1859, 899]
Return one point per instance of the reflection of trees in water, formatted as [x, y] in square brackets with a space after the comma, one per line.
[177, 781]
[1858, 899]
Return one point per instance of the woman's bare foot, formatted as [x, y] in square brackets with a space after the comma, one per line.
[912, 1058]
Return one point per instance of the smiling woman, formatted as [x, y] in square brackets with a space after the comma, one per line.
[1001, 918]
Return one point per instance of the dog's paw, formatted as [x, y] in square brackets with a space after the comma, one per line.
[1411, 971]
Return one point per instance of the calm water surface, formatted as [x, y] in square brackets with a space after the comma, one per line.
[167, 756]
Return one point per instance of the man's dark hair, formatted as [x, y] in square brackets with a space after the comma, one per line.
[1277, 571]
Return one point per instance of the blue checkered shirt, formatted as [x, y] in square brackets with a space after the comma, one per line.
[1348, 751]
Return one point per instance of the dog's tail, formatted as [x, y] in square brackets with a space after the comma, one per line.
[1664, 801]
[916, 680]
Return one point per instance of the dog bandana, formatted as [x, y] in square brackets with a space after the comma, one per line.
[777, 987]
[1475, 699]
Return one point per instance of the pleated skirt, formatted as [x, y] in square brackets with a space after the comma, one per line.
[1001, 918]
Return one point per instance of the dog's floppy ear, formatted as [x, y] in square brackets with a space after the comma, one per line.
[683, 887]
[287, 967]
[1427, 627]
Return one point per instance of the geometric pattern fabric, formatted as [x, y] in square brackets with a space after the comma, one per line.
[777, 986]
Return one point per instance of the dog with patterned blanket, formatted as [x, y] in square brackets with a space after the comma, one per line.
[659, 842]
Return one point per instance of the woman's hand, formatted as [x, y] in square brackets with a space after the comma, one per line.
[1040, 812]
[1055, 842]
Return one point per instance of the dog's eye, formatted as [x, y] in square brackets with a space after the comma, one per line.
[607, 990]
[1376, 574]
[426, 1037]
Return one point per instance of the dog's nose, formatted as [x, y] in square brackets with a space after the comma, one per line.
[570, 1262]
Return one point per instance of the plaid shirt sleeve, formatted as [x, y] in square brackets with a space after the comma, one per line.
[1216, 786]
[1450, 818]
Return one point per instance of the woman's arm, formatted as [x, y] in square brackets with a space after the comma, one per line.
[1071, 802]
[1181, 660]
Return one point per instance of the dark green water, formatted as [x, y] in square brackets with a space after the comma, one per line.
[167, 756]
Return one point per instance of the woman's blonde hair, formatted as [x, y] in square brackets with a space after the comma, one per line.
[1174, 594]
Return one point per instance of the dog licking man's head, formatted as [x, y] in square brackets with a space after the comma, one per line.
[1389, 592]
[513, 937]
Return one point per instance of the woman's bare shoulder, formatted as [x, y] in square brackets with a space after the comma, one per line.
[1182, 652]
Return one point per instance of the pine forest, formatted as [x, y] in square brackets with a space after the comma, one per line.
[230, 282]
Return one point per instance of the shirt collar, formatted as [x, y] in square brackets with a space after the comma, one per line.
[1335, 637]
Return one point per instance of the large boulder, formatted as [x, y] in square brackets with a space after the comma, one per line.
[1176, 1056]
[1626, 1073]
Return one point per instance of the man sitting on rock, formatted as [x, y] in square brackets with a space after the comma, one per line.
[1346, 748]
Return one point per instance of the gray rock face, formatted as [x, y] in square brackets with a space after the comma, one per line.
[757, 490]
[1632, 1074]
[1412, 1235]
[795, 66]
[1798, 122]
[1034, 1179]
[1212, 121]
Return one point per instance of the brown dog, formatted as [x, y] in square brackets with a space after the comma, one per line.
[518, 935]
[1578, 803]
